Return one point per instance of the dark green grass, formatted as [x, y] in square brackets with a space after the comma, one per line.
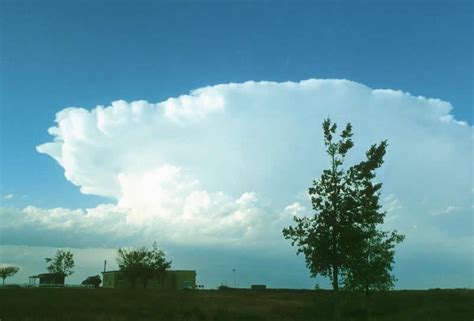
[72, 304]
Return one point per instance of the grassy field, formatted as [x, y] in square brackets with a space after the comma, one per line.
[71, 304]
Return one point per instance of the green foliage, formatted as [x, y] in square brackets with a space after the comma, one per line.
[131, 262]
[62, 263]
[341, 241]
[92, 280]
[142, 263]
[371, 270]
[7, 271]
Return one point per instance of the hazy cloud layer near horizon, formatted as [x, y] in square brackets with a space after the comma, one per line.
[229, 165]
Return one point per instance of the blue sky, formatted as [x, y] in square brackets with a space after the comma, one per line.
[57, 54]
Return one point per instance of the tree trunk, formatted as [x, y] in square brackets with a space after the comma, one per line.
[3, 281]
[368, 309]
[335, 269]
[335, 286]
[335, 279]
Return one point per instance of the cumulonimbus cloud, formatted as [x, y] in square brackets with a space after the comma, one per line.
[231, 162]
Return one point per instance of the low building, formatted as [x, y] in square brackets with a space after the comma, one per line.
[172, 279]
[47, 279]
[258, 287]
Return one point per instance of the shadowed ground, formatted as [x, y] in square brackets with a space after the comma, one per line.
[71, 304]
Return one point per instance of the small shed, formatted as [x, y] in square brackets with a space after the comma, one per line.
[47, 279]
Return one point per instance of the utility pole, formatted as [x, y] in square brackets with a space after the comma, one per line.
[235, 283]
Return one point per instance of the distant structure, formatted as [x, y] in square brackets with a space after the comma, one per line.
[47, 279]
[172, 279]
[258, 287]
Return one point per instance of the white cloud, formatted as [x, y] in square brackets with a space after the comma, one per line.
[392, 205]
[104, 219]
[448, 210]
[198, 217]
[224, 162]
[8, 196]
[193, 107]
[295, 209]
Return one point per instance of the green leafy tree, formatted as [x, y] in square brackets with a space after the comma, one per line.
[155, 264]
[323, 238]
[372, 257]
[343, 229]
[92, 280]
[371, 269]
[61, 263]
[142, 263]
[130, 262]
[8, 271]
